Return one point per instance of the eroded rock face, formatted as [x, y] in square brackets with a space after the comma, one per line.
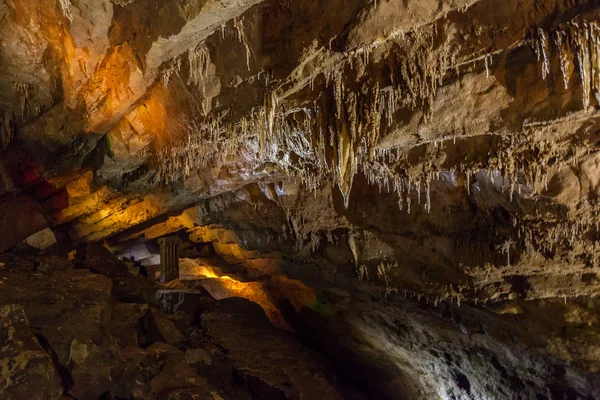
[441, 151]
[66, 332]
[60, 305]
[27, 371]
[288, 370]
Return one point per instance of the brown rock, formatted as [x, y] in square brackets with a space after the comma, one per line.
[126, 287]
[162, 351]
[61, 306]
[138, 368]
[272, 362]
[125, 322]
[197, 356]
[92, 370]
[189, 303]
[161, 328]
[49, 264]
[176, 373]
[14, 227]
[100, 260]
[26, 371]
[189, 393]
[125, 373]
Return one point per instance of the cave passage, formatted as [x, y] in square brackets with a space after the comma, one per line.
[299, 199]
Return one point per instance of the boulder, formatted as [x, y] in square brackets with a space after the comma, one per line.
[125, 323]
[175, 374]
[92, 370]
[196, 357]
[41, 240]
[61, 305]
[126, 287]
[134, 289]
[189, 393]
[100, 260]
[138, 368]
[27, 372]
[124, 373]
[161, 328]
[161, 351]
[50, 264]
[272, 363]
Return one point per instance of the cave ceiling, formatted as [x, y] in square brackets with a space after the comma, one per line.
[449, 147]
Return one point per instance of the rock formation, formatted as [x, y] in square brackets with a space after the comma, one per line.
[404, 192]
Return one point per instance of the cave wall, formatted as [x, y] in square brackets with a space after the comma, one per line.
[434, 161]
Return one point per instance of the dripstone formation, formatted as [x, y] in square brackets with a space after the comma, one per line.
[299, 199]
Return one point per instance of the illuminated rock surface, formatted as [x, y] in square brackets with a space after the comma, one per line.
[407, 189]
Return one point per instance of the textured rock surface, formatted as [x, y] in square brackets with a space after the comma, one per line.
[65, 332]
[27, 371]
[60, 305]
[389, 168]
[13, 227]
[287, 369]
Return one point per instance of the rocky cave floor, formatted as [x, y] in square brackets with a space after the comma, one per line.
[93, 328]
[90, 329]
[383, 199]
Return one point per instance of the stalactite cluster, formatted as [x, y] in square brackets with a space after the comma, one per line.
[576, 43]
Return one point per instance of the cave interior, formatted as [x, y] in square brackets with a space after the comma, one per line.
[299, 199]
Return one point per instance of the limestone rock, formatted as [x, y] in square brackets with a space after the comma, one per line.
[53, 263]
[91, 371]
[190, 393]
[125, 372]
[268, 359]
[41, 240]
[13, 227]
[196, 356]
[161, 328]
[125, 322]
[188, 303]
[175, 374]
[126, 287]
[99, 259]
[138, 368]
[61, 306]
[27, 371]
[401, 162]
[162, 351]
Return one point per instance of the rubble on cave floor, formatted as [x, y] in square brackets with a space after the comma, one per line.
[86, 330]
[90, 329]
[387, 199]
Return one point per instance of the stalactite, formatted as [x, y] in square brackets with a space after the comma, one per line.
[66, 8]
[576, 42]
[564, 53]
[173, 68]
[199, 60]
[238, 23]
[544, 49]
